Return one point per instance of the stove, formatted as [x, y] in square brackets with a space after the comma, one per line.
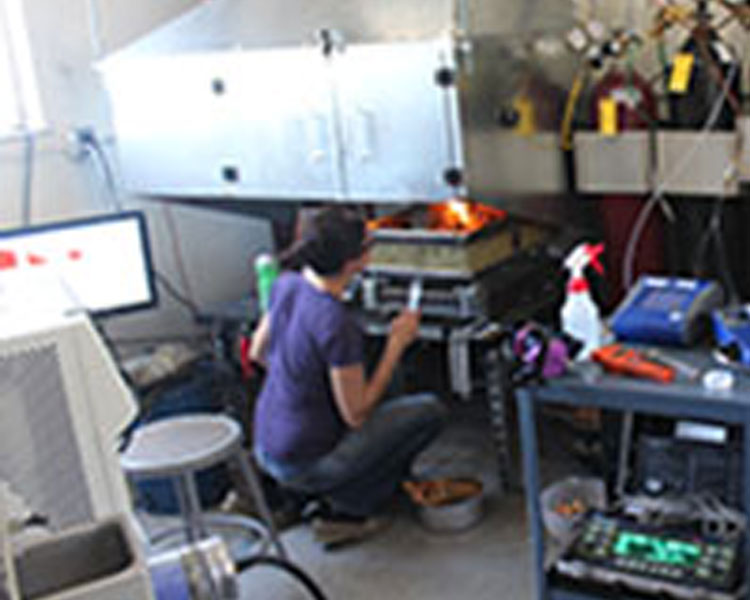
[477, 267]
[467, 256]
[456, 240]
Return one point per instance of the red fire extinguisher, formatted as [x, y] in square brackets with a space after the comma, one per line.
[636, 108]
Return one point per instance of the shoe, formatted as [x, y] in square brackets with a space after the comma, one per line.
[336, 531]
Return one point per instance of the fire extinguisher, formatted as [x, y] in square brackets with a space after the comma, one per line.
[636, 109]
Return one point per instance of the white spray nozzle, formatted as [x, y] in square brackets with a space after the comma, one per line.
[584, 255]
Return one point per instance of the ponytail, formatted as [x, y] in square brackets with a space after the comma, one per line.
[334, 236]
[296, 256]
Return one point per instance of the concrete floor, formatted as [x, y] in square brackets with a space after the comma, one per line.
[492, 561]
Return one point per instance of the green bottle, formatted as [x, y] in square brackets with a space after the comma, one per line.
[266, 272]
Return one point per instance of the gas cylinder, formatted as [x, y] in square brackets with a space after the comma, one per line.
[714, 65]
[636, 109]
[712, 62]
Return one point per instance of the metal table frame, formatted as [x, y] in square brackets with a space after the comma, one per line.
[498, 390]
[682, 400]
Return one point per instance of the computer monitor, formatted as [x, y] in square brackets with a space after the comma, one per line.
[101, 265]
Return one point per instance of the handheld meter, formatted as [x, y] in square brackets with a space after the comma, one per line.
[415, 295]
[666, 310]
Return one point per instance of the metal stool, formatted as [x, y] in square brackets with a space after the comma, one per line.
[177, 448]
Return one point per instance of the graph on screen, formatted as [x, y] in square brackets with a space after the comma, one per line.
[101, 265]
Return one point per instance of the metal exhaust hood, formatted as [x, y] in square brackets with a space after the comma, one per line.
[218, 25]
[321, 100]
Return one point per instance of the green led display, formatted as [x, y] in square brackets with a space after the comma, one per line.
[657, 550]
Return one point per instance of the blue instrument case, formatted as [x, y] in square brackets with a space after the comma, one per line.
[666, 310]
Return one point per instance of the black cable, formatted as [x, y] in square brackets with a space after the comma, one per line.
[28, 178]
[700, 251]
[684, 162]
[713, 232]
[177, 252]
[92, 141]
[155, 340]
[113, 350]
[104, 334]
[721, 252]
[181, 298]
[291, 569]
[126, 434]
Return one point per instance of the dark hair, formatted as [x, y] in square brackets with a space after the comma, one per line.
[331, 238]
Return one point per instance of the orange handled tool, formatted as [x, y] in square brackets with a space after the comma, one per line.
[627, 361]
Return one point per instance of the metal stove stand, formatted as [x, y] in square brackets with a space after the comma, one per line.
[460, 339]
[464, 313]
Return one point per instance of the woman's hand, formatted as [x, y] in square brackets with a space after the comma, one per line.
[404, 329]
[355, 397]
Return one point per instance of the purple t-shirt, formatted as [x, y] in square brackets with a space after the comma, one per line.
[296, 419]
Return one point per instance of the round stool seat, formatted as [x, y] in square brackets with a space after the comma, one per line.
[177, 448]
[178, 444]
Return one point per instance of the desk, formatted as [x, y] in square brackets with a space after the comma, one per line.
[590, 388]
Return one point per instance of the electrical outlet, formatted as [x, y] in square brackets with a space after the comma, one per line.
[80, 140]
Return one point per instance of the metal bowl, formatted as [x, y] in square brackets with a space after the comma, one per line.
[454, 517]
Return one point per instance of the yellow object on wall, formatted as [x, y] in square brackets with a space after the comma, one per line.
[682, 72]
[608, 125]
[526, 116]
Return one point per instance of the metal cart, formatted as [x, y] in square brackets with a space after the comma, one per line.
[683, 399]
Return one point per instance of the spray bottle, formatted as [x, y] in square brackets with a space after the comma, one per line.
[579, 316]
[266, 272]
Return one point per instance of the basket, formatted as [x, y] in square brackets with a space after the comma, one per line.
[580, 495]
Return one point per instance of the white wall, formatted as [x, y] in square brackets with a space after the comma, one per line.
[217, 247]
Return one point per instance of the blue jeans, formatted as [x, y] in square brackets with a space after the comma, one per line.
[366, 467]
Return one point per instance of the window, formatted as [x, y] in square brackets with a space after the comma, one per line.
[20, 108]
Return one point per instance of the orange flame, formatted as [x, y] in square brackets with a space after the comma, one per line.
[462, 212]
[456, 214]
[464, 216]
